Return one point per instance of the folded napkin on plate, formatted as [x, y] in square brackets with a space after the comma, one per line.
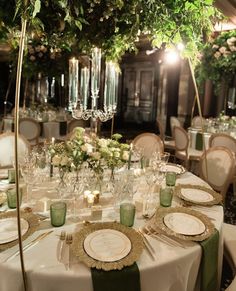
[127, 279]
[209, 262]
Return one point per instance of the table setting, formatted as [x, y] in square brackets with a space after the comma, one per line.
[139, 220]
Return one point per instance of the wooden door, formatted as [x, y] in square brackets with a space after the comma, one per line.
[138, 92]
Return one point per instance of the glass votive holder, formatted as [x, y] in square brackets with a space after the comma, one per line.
[166, 195]
[127, 214]
[170, 178]
[58, 213]
[11, 175]
[11, 197]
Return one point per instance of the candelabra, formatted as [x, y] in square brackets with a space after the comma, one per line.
[78, 98]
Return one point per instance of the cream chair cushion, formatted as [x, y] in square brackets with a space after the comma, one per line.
[7, 149]
[149, 143]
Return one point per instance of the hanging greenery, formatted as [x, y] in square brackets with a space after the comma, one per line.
[218, 60]
[74, 26]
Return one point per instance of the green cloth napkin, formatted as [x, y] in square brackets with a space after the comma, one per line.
[209, 262]
[127, 279]
[199, 141]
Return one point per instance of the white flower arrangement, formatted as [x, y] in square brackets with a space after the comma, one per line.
[97, 153]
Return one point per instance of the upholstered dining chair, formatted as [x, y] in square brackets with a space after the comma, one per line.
[169, 143]
[225, 140]
[229, 236]
[197, 121]
[149, 143]
[174, 121]
[182, 150]
[217, 168]
[7, 148]
[75, 123]
[30, 129]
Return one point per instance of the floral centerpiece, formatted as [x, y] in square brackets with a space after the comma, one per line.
[98, 153]
[219, 58]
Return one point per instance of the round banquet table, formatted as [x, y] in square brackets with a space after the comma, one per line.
[175, 268]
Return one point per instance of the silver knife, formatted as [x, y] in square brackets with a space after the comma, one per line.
[29, 245]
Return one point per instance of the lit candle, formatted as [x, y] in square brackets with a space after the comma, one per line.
[53, 140]
[95, 71]
[130, 154]
[110, 86]
[96, 194]
[90, 199]
[62, 80]
[84, 81]
[86, 193]
[73, 82]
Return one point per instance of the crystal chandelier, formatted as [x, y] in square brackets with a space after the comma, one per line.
[78, 95]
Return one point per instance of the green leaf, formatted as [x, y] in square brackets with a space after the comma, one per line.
[37, 7]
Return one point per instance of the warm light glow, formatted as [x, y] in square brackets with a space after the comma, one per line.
[180, 46]
[171, 57]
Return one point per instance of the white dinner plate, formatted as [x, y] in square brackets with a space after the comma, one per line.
[183, 223]
[107, 245]
[196, 195]
[8, 229]
[178, 169]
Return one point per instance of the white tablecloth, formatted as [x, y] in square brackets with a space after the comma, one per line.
[175, 268]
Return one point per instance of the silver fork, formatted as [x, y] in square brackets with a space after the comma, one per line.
[69, 240]
[62, 238]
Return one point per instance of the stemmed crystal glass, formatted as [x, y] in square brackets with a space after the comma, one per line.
[29, 174]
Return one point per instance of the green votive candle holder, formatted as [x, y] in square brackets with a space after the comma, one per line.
[166, 195]
[127, 214]
[170, 178]
[11, 197]
[58, 213]
[11, 175]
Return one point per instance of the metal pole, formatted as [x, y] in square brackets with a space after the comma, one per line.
[112, 125]
[16, 121]
[199, 108]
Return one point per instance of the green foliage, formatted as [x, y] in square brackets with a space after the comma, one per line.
[218, 59]
[112, 25]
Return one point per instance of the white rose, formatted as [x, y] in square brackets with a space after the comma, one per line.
[217, 55]
[56, 160]
[232, 48]
[116, 154]
[125, 155]
[103, 142]
[88, 148]
[64, 161]
[32, 58]
[96, 155]
[222, 49]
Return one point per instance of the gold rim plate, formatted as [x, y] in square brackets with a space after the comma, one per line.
[163, 212]
[79, 242]
[199, 195]
[171, 167]
[30, 218]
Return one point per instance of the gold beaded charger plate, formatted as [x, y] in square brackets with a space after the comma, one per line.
[107, 246]
[191, 225]
[199, 195]
[3, 198]
[8, 228]
[170, 167]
